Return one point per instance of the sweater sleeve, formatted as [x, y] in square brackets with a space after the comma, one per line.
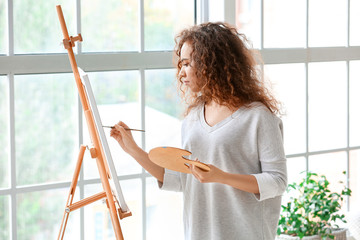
[272, 180]
[171, 181]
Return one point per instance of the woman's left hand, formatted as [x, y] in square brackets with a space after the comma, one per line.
[213, 175]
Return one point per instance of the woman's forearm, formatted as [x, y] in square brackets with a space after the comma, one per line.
[247, 183]
[244, 182]
[143, 159]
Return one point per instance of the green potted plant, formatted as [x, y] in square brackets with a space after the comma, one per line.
[313, 210]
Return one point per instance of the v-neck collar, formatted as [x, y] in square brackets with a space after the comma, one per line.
[218, 125]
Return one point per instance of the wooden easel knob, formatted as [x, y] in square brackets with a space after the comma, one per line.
[93, 152]
[77, 38]
[71, 42]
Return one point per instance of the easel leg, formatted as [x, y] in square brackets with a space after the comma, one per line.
[106, 194]
[110, 199]
[72, 192]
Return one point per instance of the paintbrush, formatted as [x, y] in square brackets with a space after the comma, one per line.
[131, 129]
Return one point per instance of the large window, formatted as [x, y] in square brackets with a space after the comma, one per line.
[127, 53]
[311, 56]
[312, 62]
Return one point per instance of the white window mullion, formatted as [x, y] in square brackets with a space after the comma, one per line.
[143, 205]
[11, 119]
[81, 184]
[78, 24]
[142, 113]
[262, 22]
[142, 104]
[307, 25]
[348, 130]
[143, 145]
[348, 108]
[307, 116]
[12, 157]
[10, 25]
[59, 63]
[307, 88]
[348, 24]
[202, 11]
[230, 12]
[307, 55]
[142, 27]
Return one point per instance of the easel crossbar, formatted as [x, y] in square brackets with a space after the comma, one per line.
[85, 201]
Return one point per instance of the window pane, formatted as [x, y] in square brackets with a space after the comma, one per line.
[163, 20]
[289, 86]
[3, 28]
[335, 165]
[45, 128]
[4, 130]
[98, 224]
[110, 25]
[39, 215]
[327, 105]
[4, 217]
[354, 181]
[284, 23]
[163, 109]
[37, 27]
[354, 22]
[327, 23]
[248, 20]
[295, 173]
[295, 168]
[163, 208]
[354, 103]
[116, 95]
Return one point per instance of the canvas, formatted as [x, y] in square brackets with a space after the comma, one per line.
[114, 182]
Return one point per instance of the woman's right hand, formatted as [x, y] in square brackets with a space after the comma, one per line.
[127, 142]
[124, 138]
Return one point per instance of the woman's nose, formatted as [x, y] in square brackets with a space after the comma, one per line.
[182, 72]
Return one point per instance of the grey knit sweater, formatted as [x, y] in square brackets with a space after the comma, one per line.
[247, 142]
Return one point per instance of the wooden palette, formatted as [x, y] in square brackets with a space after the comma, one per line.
[173, 159]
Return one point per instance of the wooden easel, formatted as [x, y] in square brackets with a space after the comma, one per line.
[96, 151]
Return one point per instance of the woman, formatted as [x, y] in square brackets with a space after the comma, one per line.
[231, 125]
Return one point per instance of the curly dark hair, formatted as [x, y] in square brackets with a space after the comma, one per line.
[225, 66]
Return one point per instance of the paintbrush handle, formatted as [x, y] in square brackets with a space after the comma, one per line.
[131, 129]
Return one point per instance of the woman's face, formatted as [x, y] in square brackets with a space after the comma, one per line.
[187, 72]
